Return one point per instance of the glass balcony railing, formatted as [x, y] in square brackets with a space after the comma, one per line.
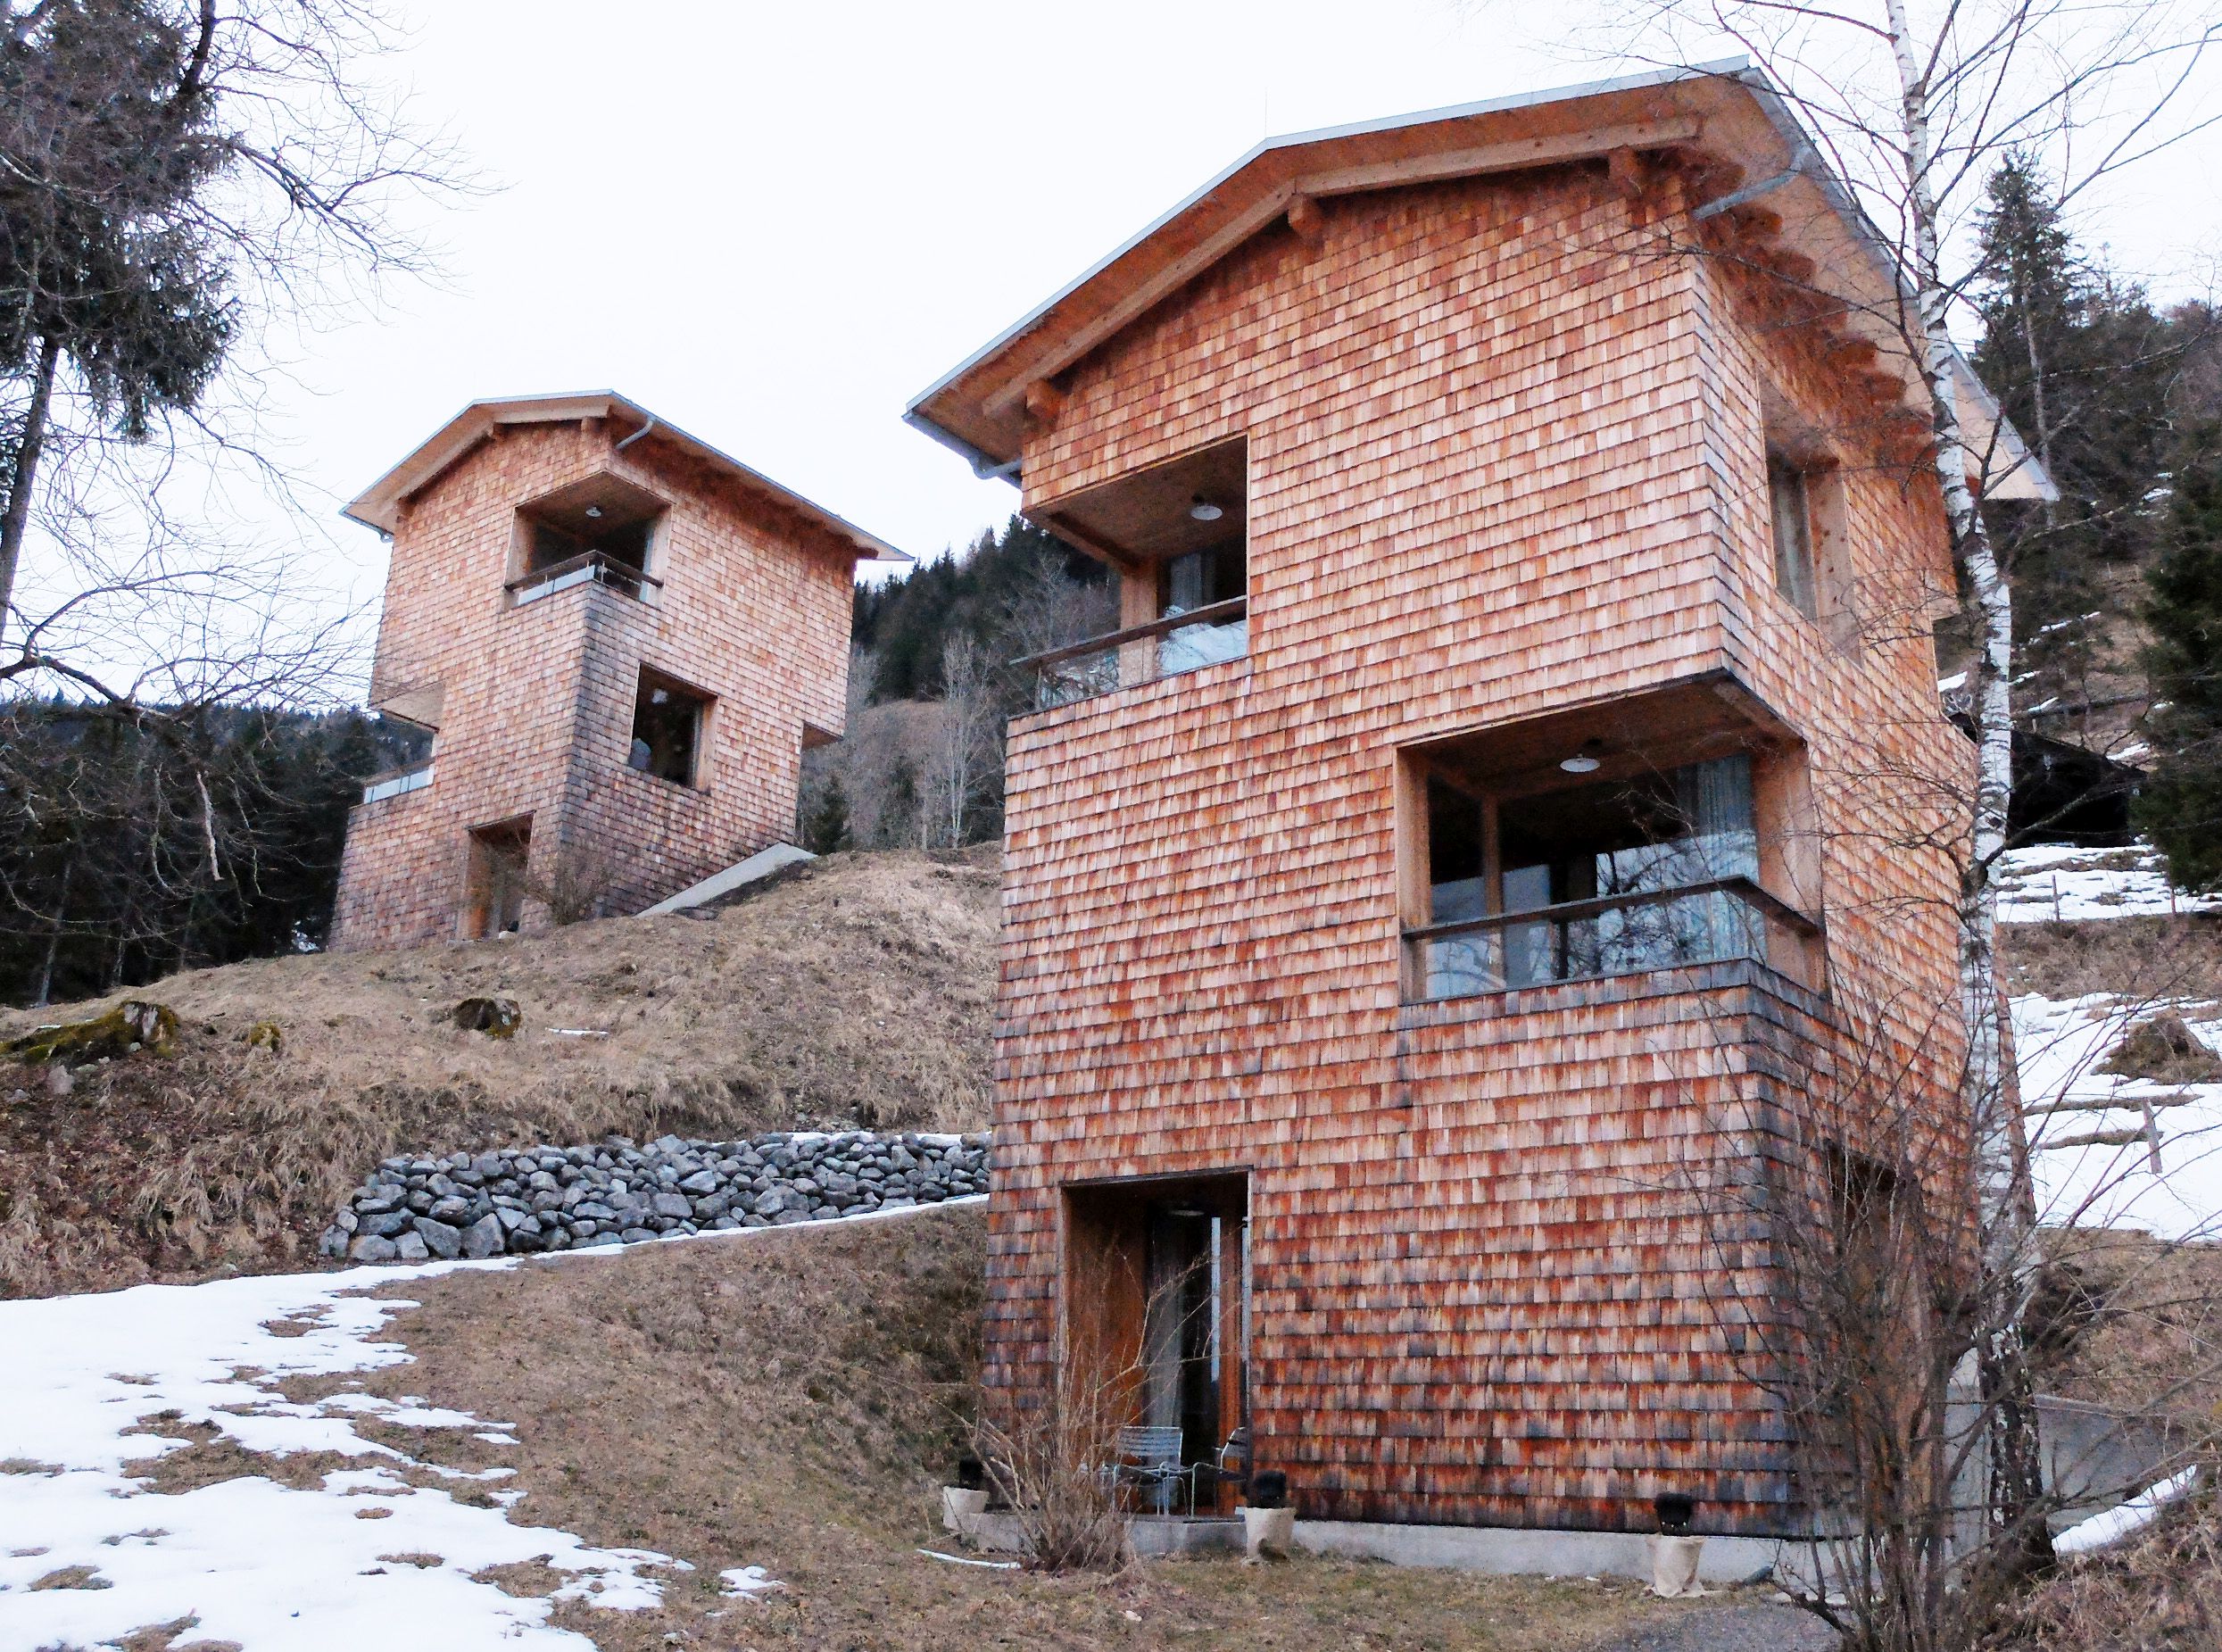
[379, 788]
[1707, 923]
[1164, 647]
[595, 567]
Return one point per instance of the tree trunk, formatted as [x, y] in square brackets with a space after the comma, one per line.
[42, 993]
[2004, 1203]
[14, 518]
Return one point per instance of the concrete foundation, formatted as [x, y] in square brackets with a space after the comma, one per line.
[1531, 1552]
[1500, 1549]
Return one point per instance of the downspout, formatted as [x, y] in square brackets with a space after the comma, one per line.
[636, 436]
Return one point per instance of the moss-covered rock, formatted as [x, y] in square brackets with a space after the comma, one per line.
[266, 1035]
[132, 1024]
[496, 1018]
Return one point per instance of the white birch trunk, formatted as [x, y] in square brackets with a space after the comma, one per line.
[2005, 1204]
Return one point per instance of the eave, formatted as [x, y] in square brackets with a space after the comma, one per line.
[1727, 110]
[380, 506]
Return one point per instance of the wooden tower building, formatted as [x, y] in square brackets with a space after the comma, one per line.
[618, 642]
[1528, 555]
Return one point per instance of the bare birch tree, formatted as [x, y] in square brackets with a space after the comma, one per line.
[1912, 109]
[968, 747]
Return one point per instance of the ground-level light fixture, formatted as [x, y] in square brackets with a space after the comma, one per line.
[1584, 762]
[1204, 510]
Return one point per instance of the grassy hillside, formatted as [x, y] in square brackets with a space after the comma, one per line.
[856, 992]
[792, 1399]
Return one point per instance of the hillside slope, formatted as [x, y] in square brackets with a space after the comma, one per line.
[856, 990]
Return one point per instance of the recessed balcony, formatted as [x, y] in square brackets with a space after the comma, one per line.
[602, 530]
[1658, 831]
[1178, 535]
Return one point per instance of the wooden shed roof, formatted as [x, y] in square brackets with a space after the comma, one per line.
[379, 505]
[1727, 110]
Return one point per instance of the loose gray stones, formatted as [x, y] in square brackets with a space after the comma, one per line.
[519, 1200]
[483, 1238]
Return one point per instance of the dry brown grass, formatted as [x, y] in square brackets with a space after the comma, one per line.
[793, 1400]
[2161, 1592]
[2147, 1331]
[2140, 959]
[857, 992]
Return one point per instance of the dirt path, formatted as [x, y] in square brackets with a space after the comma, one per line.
[1732, 1626]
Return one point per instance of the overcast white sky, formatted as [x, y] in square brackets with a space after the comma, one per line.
[774, 224]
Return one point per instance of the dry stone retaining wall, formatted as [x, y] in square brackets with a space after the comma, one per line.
[532, 1198]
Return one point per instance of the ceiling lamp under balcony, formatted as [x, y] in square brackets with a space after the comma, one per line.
[1204, 510]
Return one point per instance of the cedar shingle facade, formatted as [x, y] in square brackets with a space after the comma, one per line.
[531, 665]
[1505, 409]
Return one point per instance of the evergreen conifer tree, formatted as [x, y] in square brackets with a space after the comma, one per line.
[2082, 366]
[2181, 806]
[826, 822]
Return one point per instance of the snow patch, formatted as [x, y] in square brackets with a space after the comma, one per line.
[273, 1568]
[2111, 1151]
[2055, 883]
[2125, 1519]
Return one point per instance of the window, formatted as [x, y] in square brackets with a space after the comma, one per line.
[1806, 523]
[1790, 503]
[1199, 579]
[1607, 853]
[667, 723]
[1549, 852]
[601, 530]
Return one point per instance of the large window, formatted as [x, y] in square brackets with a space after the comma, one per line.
[668, 720]
[1605, 859]
[1529, 859]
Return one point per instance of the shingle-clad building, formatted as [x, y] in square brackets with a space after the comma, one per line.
[1528, 552]
[618, 641]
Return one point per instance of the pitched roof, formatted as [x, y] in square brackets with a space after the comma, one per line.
[1727, 108]
[379, 505]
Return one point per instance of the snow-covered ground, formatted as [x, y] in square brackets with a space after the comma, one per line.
[253, 1561]
[250, 1561]
[2093, 1154]
[2050, 882]
[2104, 1150]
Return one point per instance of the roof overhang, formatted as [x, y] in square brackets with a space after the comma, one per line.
[379, 506]
[1725, 109]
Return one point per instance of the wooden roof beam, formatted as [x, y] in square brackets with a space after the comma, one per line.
[1045, 402]
[1063, 528]
[1517, 155]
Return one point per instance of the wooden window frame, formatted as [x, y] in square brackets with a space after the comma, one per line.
[1797, 451]
[651, 679]
[1782, 807]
